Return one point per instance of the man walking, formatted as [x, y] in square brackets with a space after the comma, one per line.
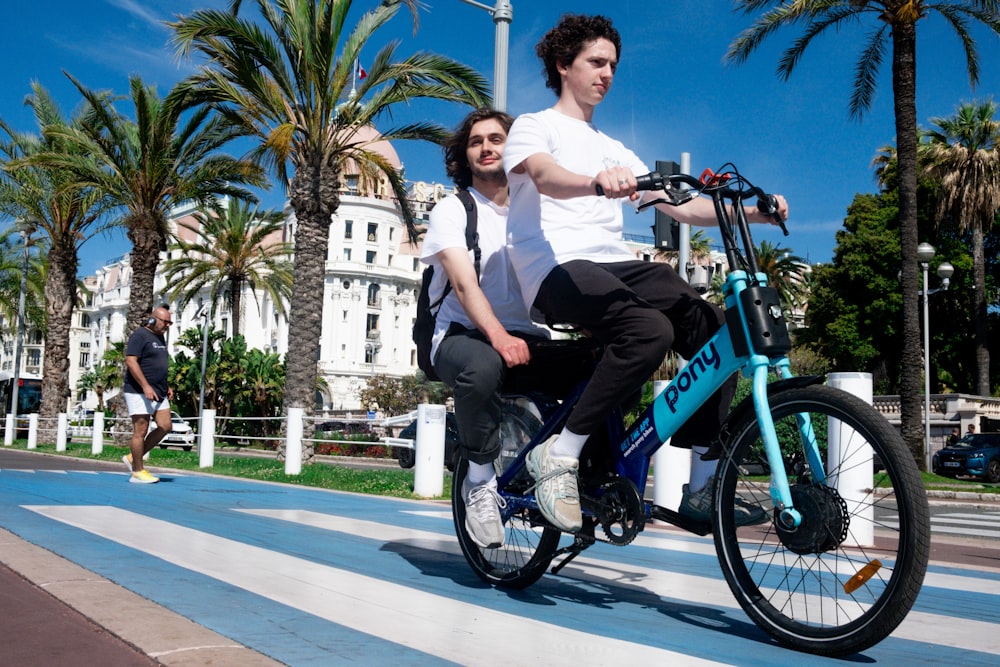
[146, 392]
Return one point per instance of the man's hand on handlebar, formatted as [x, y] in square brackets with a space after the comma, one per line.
[616, 183]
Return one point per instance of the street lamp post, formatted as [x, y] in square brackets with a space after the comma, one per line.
[204, 312]
[503, 14]
[925, 253]
[26, 229]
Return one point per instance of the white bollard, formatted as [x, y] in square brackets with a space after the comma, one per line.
[428, 474]
[8, 430]
[33, 430]
[293, 442]
[854, 479]
[206, 439]
[671, 467]
[61, 426]
[97, 437]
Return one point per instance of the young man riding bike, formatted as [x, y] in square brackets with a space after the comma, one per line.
[565, 243]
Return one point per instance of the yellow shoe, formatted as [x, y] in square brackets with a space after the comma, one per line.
[143, 477]
[127, 460]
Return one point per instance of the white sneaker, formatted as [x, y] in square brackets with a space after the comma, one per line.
[482, 514]
[556, 487]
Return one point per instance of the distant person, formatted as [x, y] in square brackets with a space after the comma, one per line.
[146, 392]
[956, 434]
[972, 429]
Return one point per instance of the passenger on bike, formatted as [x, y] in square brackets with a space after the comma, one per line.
[473, 345]
[565, 243]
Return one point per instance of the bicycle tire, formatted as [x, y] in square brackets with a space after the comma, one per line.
[793, 585]
[528, 545]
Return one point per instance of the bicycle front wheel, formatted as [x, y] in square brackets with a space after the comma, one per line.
[847, 576]
[529, 544]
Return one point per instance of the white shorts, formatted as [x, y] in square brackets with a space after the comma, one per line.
[138, 404]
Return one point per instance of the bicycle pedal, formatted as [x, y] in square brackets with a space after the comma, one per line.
[681, 521]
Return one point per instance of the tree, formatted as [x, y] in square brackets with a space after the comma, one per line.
[785, 272]
[963, 154]
[287, 80]
[895, 28]
[237, 246]
[11, 270]
[106, 374]
[64, 215]
[146, 167]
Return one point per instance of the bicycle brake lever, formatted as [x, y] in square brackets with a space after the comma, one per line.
[677, 197]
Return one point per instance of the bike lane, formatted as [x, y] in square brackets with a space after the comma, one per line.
[310, 577]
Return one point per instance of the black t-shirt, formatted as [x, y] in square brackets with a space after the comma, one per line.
[151, 349]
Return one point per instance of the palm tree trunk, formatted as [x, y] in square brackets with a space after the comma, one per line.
[60, 296]
[980, 307]
[905, 94]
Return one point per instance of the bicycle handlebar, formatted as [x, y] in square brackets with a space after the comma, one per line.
[767, 204]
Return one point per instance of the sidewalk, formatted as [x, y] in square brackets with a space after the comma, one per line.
[57, 613]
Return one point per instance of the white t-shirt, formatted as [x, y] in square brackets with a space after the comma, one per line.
[543, 232]
[496, 277]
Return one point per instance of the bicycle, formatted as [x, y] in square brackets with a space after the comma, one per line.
[823, 573]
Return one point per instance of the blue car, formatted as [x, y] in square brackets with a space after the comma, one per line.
[975, 455]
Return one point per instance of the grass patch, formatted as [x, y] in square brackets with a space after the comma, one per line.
[391, 482]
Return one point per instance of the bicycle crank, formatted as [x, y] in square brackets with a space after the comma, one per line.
[619, 510]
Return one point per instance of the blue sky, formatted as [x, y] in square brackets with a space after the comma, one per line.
[672, 92]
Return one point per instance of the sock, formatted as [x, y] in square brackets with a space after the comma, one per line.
[480, 473]
[568, 444]
[702, 472]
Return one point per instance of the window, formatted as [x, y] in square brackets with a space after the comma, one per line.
[34, 357]
[371, 354]
[371, 327]
[84, 359]
[352, 184]
[391, 230]
[84, 320]
[373, 231]
[370, 257]
[347, 254]
[348, 229]
[416, 264]
[347, 284]
[35, 337]
[374, 299]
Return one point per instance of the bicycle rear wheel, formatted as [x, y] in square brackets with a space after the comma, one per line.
[528, 545]
[847, 576]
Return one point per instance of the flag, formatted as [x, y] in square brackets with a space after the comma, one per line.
[361, 71]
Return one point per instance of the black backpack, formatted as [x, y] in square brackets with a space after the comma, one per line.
[423, 325]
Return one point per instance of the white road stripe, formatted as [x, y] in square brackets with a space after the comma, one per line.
[443, 627]
[918, 626]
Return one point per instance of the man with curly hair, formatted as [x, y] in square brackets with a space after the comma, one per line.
[567, 251]
[482, 325]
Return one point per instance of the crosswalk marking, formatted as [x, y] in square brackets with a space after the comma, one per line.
[972, 634]
[405, 615]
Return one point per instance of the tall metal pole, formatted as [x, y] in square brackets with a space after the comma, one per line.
[927, 366]
[204, 360]
[503, 14]
[25, 232]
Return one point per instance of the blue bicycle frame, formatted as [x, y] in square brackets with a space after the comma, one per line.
[753, 339]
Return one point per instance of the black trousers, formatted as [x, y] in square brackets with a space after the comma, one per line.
[638, 311]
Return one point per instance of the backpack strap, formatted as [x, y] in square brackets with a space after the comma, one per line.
[471, 237]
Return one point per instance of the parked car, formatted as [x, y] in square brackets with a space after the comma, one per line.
[408, 457]
[181, 434]
[975, 455]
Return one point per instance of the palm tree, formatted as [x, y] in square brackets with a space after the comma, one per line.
[786, 273]
[290, 81]
[11, 269]
[145, 168]
[65, 216]
[237, 246]
[963, 154]
[106, 374]
[895, 28]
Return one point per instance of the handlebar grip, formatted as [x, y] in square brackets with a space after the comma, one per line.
[768, 205]
[651, 181]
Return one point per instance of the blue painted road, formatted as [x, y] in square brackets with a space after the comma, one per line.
[312, 577]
